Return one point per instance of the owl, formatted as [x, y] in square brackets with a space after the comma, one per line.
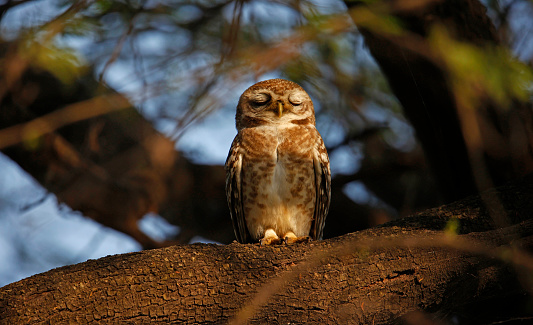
[277, 171]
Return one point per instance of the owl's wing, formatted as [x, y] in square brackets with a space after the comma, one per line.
[234, 192]
[323, 189]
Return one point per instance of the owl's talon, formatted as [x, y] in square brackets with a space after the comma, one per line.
[270, 238]
[293, 240]
[270, 241]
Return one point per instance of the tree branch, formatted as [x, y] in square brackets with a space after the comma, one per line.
[372, 276]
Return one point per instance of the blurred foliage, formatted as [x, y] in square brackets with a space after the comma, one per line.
[63, 62]
[452, 227]
[476, 72]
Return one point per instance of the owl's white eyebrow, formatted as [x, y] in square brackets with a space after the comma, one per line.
[260, 96]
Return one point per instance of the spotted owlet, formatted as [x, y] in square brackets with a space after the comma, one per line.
[277, 171]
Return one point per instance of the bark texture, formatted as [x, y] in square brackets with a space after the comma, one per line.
[376, 276]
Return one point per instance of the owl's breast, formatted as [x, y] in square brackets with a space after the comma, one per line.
[258, 143]
[278, 179]
[287, 144]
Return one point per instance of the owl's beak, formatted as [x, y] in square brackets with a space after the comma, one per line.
[280, 109]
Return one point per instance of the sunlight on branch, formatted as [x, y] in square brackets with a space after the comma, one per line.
[29, 132]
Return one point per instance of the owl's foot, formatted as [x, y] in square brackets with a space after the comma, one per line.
[290, 238]
[270, 241]
[270, 238]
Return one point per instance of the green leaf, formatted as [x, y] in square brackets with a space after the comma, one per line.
[478, 72]
[62, 62]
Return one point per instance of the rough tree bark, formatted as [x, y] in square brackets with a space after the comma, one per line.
[376, 276]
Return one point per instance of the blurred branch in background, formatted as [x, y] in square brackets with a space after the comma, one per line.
[465, 95]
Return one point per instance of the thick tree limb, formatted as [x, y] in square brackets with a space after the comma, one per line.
[372, 276]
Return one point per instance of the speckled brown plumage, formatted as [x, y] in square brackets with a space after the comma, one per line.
[277, 171]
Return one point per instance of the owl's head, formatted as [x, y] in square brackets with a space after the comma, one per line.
[274, 101]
